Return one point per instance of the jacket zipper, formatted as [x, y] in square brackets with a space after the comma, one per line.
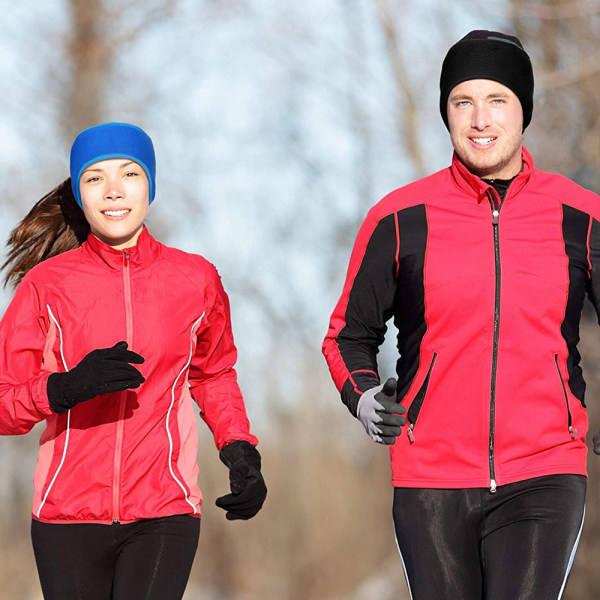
[572, 432]
[495, 220]
[417, 403]
[123, 395]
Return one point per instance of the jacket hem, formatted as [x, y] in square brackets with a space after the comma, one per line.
[501, 479]
[75, 521]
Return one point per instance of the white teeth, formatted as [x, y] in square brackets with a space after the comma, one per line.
[116, 213]
[483, 141]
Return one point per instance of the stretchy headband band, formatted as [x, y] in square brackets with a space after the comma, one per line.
[112, 140]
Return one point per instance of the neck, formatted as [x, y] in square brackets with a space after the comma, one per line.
[120, 243]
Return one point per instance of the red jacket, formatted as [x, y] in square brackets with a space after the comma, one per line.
[129, 455]
[487, 300]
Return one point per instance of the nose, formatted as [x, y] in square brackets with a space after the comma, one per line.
[114, 188]
[480, 118]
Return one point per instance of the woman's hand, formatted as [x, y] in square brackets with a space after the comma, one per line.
[248, 489]
[102, 371]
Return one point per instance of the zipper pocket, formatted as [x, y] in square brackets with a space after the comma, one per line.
[572, 432]
[417, 403]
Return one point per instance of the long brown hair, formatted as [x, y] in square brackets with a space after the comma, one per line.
[54, 225]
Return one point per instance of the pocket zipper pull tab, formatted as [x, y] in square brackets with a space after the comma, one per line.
[573, 432]
[411, 437]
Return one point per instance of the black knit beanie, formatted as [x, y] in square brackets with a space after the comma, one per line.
[491, 55]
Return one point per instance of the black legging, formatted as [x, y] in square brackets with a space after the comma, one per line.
[474, 545]
[145, 560]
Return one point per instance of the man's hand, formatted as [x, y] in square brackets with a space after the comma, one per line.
[597, 442]
[379, 413]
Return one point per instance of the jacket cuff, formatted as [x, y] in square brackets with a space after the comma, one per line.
[221, 442]
[354, 387]
[240, 450]
[40, 396]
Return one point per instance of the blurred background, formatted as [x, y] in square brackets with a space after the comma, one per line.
[277, 124]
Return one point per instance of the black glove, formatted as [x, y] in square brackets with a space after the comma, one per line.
[248, 489]
[379, 412]
[597, 442]
[102, 371]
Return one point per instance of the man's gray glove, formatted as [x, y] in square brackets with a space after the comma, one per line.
[379, 413]
[597, 442]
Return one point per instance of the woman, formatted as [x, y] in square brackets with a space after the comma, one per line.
[109, 337]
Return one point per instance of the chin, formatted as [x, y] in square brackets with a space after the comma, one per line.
[480, 168]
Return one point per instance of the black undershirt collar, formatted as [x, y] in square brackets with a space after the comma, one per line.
[500, 185]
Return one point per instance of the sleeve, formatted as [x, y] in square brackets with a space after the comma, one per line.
[23, 379]
[594, 290]
[212, 377]
[358, 323]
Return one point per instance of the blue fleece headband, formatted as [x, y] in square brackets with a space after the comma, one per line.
[112, 140]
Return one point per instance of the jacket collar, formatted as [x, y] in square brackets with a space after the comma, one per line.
[144, 253]
[476, 187]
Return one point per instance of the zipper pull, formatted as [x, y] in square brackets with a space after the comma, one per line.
[573, 432]
[495, 216]
[493, 486]
[411, 437]
[126, 254]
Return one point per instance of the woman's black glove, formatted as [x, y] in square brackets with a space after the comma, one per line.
[248, 489]
[102, 371]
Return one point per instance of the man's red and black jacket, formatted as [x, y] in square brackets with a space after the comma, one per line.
[487, 299]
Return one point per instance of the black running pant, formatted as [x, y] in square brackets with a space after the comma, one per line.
[144, 560]
[470, 544]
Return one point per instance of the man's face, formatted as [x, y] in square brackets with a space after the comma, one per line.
[485, 119]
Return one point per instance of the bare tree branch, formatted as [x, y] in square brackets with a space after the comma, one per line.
[91, 54]
[407, 109]
[559, 11]
[583, 69]
[152, 13]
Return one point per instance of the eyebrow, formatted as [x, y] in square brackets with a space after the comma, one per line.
[468, 97]
[121, 166]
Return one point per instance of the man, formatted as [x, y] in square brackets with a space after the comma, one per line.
[484, 267]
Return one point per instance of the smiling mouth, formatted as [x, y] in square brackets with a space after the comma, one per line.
[483, 141]
[116, 213]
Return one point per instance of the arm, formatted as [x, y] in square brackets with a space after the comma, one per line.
[23, 372]
[594, 290]
[212, 377]
[358, 323]
[213, 385]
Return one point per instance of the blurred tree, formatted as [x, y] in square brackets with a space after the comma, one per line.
[278, 125]
[408, 91]
[562, 38]
[100, 31]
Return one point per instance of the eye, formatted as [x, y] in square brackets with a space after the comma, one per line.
[498, 101]
[92, 179]
[462, 103]
[131, 174]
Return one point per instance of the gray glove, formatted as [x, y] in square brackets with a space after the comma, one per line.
[597, 442]
[379, 413]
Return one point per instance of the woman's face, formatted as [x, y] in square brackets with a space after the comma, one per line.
[114, 197]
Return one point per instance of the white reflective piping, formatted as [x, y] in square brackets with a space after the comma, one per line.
[187, 364]
[572, 558]
[62, 460]
[403, 567]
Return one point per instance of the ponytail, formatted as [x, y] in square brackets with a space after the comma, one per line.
[54, 225]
